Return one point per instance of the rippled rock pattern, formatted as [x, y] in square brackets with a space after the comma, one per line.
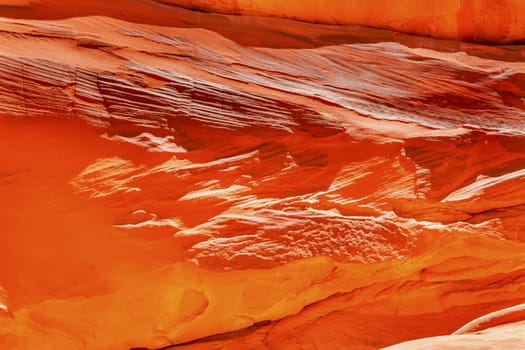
[195, 180]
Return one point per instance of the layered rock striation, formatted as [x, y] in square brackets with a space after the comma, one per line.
[213, 181]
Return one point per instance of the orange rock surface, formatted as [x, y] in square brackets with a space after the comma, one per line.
[478, 20]
[180, 179]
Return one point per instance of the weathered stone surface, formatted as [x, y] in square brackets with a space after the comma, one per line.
[214, 181]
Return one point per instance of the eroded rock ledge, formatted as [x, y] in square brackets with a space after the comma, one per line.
[219, 181]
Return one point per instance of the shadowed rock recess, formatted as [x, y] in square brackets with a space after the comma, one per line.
[217, 179]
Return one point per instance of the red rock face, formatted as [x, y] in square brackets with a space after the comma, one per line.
[209, 181]
[478, 20]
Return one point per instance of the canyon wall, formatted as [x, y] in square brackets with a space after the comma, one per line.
[171, 178]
